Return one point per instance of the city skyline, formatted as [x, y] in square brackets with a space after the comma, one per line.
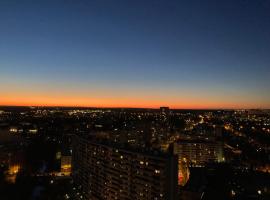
[188, 54]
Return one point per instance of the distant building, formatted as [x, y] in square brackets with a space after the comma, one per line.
[196, 153]
[199, 152]
[165, 110]
[105, 171]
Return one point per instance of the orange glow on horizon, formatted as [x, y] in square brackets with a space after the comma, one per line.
[120, 103]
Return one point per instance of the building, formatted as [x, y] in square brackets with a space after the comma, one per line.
[66, 165]
[164, 110]
[105, 171]
[199, 152]
[194, 152]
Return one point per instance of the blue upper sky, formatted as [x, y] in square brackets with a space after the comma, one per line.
[210, 51]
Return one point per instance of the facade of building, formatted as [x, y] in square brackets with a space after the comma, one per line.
[106, 172]
[196, 153]
[199, 152]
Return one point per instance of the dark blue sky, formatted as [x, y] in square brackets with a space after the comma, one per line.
[209, 53]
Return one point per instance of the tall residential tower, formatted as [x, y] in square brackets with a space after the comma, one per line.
[107, 171]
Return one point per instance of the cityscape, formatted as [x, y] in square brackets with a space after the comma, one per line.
[83, 153]
[134, 100]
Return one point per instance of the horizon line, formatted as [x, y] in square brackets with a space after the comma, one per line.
[132, 107]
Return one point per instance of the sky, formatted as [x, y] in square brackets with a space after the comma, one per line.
[112, 53]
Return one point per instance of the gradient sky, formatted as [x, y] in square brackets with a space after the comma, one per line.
[132, 53]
